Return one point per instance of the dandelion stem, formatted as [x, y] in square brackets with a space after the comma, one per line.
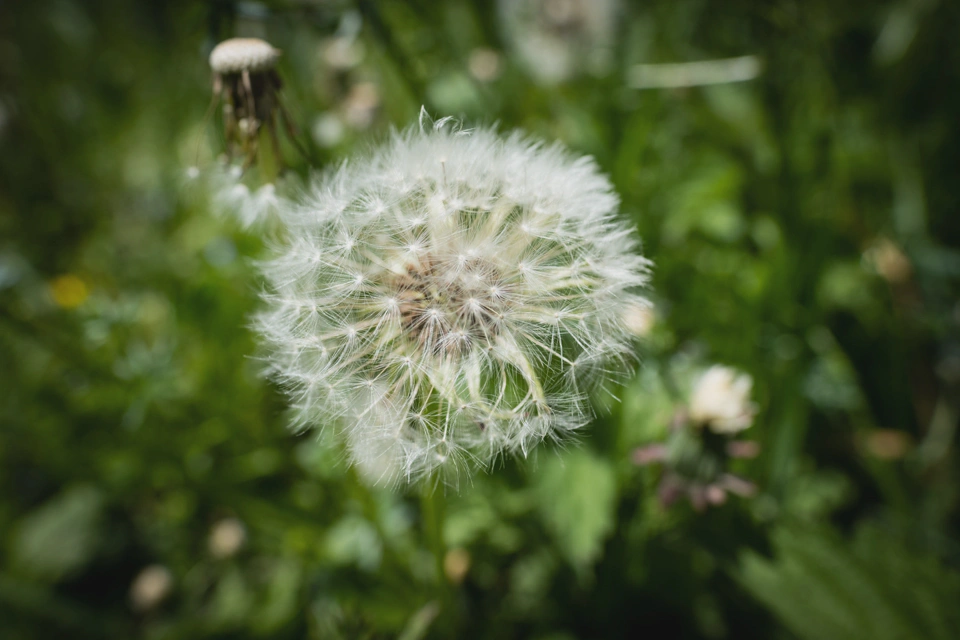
[432, 507]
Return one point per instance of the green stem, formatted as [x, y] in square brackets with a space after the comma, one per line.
[432, 507]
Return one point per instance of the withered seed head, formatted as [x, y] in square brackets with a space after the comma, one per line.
[246, 82]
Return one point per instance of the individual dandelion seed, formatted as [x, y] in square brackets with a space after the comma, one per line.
[451, 299]
[245, 79]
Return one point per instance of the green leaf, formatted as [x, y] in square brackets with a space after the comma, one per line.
[874, 587]
[59, 537]
[280, 600]
[232, 600]
[577, 495]
[353, 540]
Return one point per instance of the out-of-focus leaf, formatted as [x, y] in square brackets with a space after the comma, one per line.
[354, 540]
[831, 382]
[824, 588]
[232, 600]
[530, 579]
[577, 494]
[707, 202]
[454, 93]
[815, 495]
[280, 604]
[846, 286]
[646, 410]
[466, 519]
[420, 622]
[60, 536]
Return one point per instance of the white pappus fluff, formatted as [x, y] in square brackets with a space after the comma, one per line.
[227, 195]
[451, 299]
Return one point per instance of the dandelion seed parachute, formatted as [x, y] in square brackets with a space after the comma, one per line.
[451, 299]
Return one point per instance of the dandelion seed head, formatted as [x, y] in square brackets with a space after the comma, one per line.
[467, 292]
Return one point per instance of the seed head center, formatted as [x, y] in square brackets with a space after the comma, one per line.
[445, 305]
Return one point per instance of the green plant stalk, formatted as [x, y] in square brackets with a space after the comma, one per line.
[432, 508]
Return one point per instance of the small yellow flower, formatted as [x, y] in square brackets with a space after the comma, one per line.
[68, 291]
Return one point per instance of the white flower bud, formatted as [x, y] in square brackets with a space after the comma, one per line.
[226, 537]
[721, 400]
[150, 587]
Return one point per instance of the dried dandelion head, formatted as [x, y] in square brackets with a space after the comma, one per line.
[451, 299]
[246, 81]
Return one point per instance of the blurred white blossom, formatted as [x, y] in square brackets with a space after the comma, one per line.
[889, 261]
[721, 400]
[328, 129]
[361, 104]
[342, 53]
[556, 39]
[230, 196]
[453, 298]
[151, 587]
[484, 64]
[226, 537]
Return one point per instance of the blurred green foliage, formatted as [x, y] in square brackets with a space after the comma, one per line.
[804, 227]
[876, 587]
